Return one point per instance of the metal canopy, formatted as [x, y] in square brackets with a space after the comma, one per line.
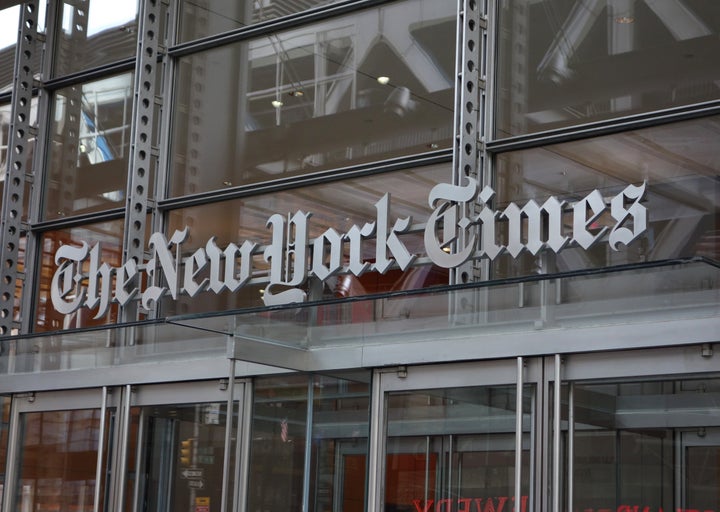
[659, 304]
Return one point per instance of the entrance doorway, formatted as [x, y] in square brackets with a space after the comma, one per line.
[157, 448]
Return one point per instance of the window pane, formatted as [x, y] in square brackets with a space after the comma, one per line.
[94, 33]
[58, 460]
[309, 99]
[201, 18]
[334, 205]
[679, 162]
[647, 446]
[563, 62]
[88, 160]
[277, 457]
[109, 235]
[9, 19]
[452, 449]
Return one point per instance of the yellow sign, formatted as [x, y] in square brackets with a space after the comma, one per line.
[203, 501]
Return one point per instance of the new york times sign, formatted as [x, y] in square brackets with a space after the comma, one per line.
[455, 233]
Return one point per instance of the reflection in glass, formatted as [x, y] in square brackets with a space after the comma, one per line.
[181, 455]
[338, 205]
[680, 164]
[309, 99]
[94, 33]
[563, 62]
[647, 445]
[109, 235]
[454, 449]
[88, 159]
[340, 427]
[201, 18]
[9, 19]
[58, 460]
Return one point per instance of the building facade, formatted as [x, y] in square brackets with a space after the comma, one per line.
[360, 255]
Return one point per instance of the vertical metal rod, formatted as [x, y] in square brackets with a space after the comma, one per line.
[140, 485]
[9, 498]
[571, 444]
[101, 443]
[376, 452]
[556, 438]
[122, 456]
[243, 468]
[308, 444]
[228, 436]
[518, 433]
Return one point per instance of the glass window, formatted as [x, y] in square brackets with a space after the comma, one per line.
[94, 33]
[679, 164]
[454, 449]
[340, 427]
[201, 18]
[109, 236]
[88, 156]
[647, 446]
[9, 19]
[335, 205]
[367, 87]
[58, 460]
[563, 62]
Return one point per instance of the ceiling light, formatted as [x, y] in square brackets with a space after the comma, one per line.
[277, 103]
[624, 20]
[296, 94]
[383, 80]
[227, 183]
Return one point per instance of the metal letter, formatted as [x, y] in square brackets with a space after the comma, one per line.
[67, 278]
[193, 266]
[334, 265]
[536, 224]
[168, 264]
[453, 197]
[290, 270]
[125, 276]
[488, 246]
[388, 239]
[595, 203]
[231, 252]
[621, 234]
[104, 274]
[355, 235]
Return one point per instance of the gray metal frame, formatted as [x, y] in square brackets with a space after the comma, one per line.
[144, 153]
[17, 174]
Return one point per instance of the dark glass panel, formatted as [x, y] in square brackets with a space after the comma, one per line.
[563, 62]
[202, 18]
[314, 98]
[95, 32]
[679, 164]
[89, 149]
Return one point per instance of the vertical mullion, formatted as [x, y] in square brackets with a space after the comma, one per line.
[228, 436]
[518, 431]
[101, 444]
[556, 438]
[308, 444]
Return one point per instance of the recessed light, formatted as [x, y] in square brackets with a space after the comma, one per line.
[383, 80]
[277, 103]
[624, 20]
[227, 183]
[296, 94]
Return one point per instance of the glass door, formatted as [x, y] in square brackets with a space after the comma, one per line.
[643, 431]
[458, 438]
[183, 446]
[61, 444]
